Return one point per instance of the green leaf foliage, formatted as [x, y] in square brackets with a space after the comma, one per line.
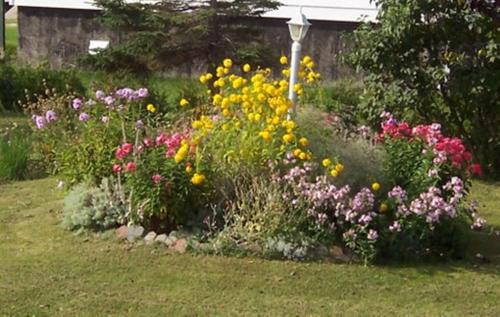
[438, 61]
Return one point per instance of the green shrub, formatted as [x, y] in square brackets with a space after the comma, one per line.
[435, 61]
[25, 84]
[93, 208]
[340, 96]
[363, 159]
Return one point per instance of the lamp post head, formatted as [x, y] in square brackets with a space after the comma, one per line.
[298, 25]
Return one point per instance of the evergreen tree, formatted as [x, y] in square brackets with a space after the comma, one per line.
[156, 35]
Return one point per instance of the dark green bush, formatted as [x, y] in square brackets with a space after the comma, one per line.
[435, 61]
[22, 84]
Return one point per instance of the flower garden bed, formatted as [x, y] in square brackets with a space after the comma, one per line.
[237, 173]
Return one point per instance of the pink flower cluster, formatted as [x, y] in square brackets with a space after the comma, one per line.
[330, 206]
[171, 142]
[445, 149]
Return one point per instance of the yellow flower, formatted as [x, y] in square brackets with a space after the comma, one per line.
[184, 102]
[297, 152]
[189, 169]
[265, 135]
[209, 76]
[178, 158]
[283, 60]
[197, 124]
[303, 156]
[307, 59]
[375, 186]
[288, 138]
[197, 179]
[326, 162]
[226, 113]
[225, 127]
[151, 108]
[297, 88]
[383, 208]
[247, 68]
[203, 79]
[304, 142]
[217, 99]
[334, 173]
[286, 72]
[227, 63]
[339, 167]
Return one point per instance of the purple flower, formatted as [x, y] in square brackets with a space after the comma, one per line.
[77, 103]
[398, 194]
[142, 93]
[125, 93]
[51, 116]
[139, 124]
[109, 100]
[100, 95]
[372, 235]
[39, 121]
[83, 117]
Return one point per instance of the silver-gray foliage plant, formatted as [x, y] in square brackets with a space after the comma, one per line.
[93, 208]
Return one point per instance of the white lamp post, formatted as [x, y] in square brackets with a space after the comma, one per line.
[298, 29]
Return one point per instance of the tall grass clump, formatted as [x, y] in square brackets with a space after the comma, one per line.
[15, 151]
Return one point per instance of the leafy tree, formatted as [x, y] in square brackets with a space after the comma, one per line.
[429, 60]
[157, 35]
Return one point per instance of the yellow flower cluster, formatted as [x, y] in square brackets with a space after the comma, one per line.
[337, 168]
[306, 72]
[251, 105]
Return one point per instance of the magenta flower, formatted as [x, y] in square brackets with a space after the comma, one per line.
[100, 95]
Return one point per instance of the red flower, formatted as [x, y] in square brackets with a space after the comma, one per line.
[476, 169]
[131, 167]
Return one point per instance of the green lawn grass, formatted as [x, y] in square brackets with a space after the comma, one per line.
[46, 271]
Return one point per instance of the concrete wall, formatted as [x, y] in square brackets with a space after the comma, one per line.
[59, 36]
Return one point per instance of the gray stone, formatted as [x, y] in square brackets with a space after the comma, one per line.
[169, 242]
[161, 238]
[134, 233]
[321, 251]
[150, 238]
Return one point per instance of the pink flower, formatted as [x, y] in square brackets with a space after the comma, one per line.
[148, 142]
[117, 168]
[156, 178]
[131, 167]
[120, 154]
[127, 148]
